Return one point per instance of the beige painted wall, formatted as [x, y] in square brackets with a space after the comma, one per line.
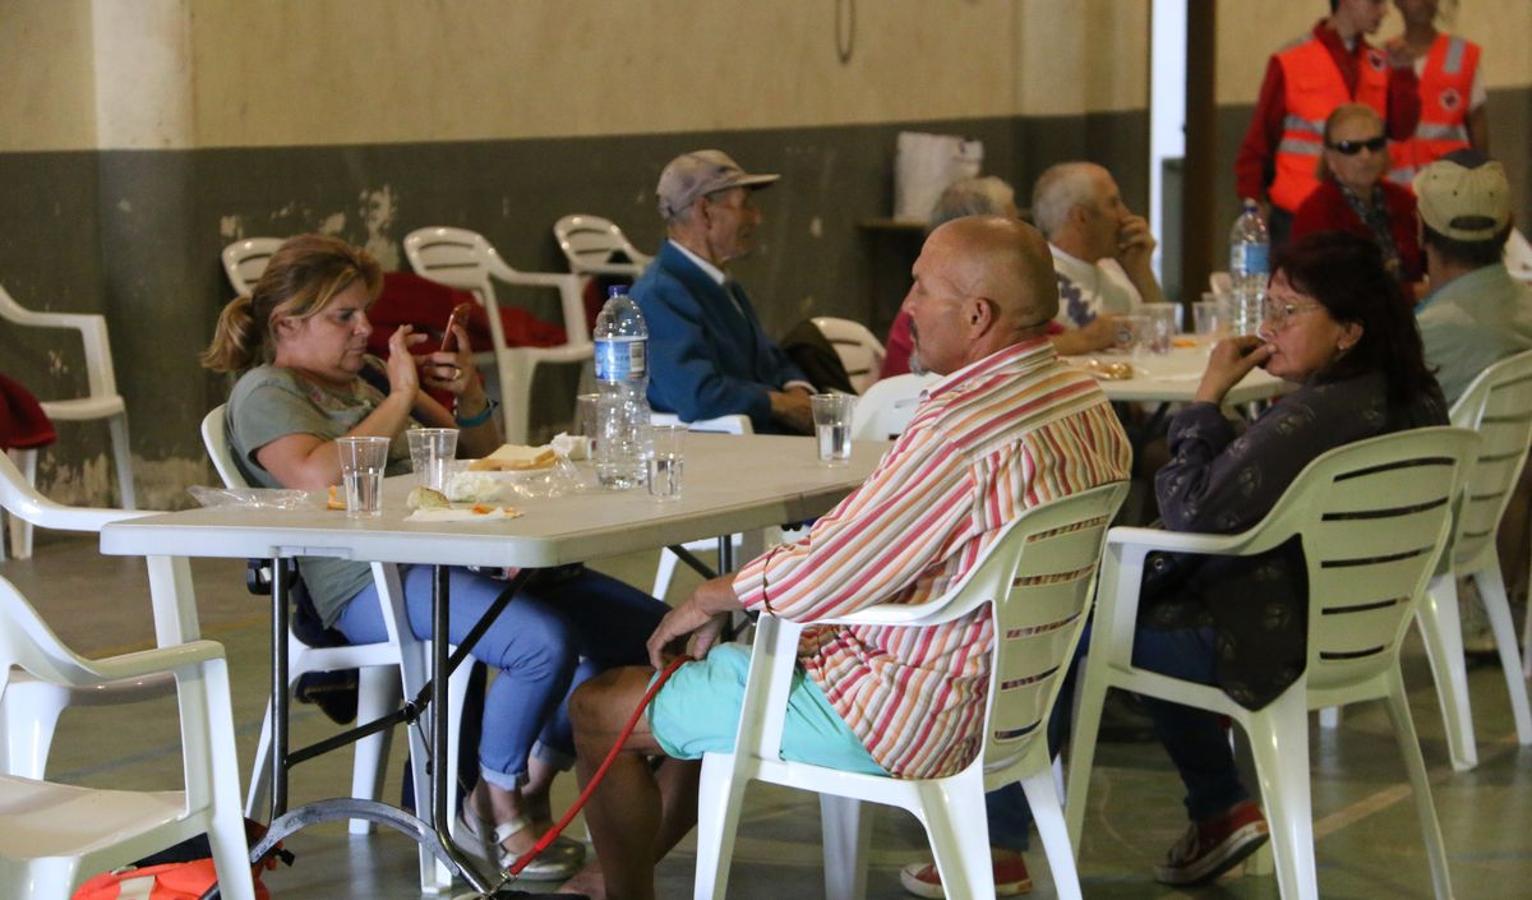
[47, 74]
[1248, 33]
[208, 73]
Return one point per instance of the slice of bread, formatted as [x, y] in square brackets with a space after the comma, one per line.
[514, 458]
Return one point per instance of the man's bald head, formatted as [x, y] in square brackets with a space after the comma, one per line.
[981, 284]
[1005, 261]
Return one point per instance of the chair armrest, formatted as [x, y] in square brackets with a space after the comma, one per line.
[21, 500]
[90, 673]
[611, 268]
[93, 334]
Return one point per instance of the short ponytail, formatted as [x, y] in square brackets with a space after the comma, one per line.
[236, 339]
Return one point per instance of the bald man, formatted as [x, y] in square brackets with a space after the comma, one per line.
[1008, 427]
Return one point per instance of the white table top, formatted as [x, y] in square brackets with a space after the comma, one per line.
[1173, 377]
[731, 484]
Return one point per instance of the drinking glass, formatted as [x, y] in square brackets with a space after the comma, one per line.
[1210, 317]
[362, 460]
[832, 427]
[666, 459]
[1132, 332]
[431, 453]
[1161, 327]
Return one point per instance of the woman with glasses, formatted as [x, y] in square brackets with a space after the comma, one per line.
[1354, 197]
[1337, 327]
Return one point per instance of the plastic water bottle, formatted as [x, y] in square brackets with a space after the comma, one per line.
[622, 378]
[1249, 265]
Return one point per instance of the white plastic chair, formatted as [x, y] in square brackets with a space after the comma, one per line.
[245, 261]
[54, 836]
[859, 350]
[732, 424]
[464, 259]
[1221, 284]
[1373, 517]
[381, 667]
[591, 244]
[1037, 578]
[31, 707]
[101, 402]
[885, 410]
[1518, 255]
[1498, 405]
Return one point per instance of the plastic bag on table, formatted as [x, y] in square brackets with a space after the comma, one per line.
[249, 498]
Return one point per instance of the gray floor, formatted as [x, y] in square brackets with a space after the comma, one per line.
[1368, 840]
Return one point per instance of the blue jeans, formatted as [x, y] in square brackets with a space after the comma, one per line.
[562, 628]
[1195, 740]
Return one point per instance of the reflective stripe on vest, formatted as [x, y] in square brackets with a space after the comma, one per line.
[1446, 90]
[1313, 88]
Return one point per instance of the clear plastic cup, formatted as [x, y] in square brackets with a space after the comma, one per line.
[431, 453]
[1210, 317]
[1161, 328]
[832, 427]
[665, 459]
[362, 460]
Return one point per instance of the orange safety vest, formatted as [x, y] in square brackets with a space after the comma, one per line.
[1446, 88]
[1314, 87]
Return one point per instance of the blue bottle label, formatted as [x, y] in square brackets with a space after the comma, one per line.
[1256, 258]
[621, 359]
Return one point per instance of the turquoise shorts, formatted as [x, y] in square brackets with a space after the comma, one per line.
[697, 712]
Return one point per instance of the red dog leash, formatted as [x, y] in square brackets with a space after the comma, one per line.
[526, 858]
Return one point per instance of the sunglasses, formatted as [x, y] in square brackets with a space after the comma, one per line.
[1352, 148]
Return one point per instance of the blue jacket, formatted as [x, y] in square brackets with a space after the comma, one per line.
[705, 359]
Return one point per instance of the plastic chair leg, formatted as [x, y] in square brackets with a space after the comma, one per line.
[1049, 818]
[122, 453]
[1279, 740]
[260, 772]
[956, 826]
[226, 831]
[377, 696]
[21, 529]
[720, 793]
[1420, 782]
[1082, 745]
[665, 571]
[1442, 631]
[1329, 718]
[28, 718]
[1497, 606]
[847, 827]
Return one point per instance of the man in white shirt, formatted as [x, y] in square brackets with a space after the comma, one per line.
[1101, 253]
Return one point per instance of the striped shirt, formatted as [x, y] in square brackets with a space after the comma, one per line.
[1012, 431]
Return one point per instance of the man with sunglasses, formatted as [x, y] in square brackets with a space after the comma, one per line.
[1304, 82]
[708, 354]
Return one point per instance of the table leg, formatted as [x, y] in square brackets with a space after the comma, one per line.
[725, 553]
[279, 696]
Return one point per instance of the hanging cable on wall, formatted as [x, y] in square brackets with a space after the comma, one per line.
[845, 29]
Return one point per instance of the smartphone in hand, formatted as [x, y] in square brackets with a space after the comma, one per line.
[459, 317]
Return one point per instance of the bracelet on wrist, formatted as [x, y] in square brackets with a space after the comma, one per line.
[478, 418]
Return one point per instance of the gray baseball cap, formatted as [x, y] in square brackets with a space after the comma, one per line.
[698, 173]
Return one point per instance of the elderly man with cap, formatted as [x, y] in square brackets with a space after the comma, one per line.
[709, 355]
[1007, 427]
[1476, 314]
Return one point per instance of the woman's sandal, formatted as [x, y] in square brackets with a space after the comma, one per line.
[561, 860]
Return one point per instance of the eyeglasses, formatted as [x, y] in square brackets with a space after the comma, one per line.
[1278, 314]
[1352, 148]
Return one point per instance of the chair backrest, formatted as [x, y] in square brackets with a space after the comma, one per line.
[1498, 405]
[1039, 576]
[1221, 284]
[885, 410]
[1518, 255]
[215, 438]
[245, 261]
[27, 643]
[1374, 517]
[859, 349]
[591, 242]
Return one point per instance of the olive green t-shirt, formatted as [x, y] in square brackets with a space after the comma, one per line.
[268, 403]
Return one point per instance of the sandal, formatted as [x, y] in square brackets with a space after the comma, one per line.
[560, 861]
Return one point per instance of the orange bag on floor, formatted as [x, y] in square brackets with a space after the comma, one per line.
[170, 881]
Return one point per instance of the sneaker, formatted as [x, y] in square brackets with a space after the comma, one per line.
[1214, 846]
[1011, 878]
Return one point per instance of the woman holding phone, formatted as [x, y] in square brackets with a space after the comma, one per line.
[298, 345]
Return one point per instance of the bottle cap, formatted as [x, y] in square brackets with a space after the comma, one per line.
[616, 290]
